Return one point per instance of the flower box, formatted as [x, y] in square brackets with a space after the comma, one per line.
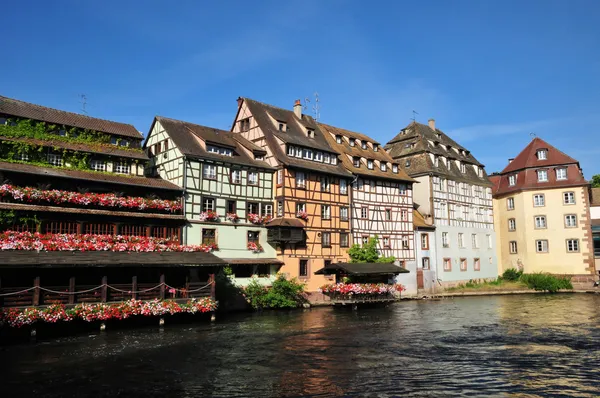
[209, 216]
[257, 219]
[232, 217]
[302, 215]
[255, 247]
[362, 291]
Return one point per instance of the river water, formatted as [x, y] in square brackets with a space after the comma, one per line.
[532, 345]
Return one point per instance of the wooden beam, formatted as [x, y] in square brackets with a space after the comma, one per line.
[104, 289]
[36, 291]
[162, 287]
[134, 287]
[72, 290]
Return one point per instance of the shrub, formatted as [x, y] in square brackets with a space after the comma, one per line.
[282, 294]
[512, 275]
[546, 282]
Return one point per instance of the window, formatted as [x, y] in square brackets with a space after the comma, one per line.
[447, 264]
[539, 200]
[356, 162]
[210, 171]
[326, 239]
[245, 124]
[343, 213]
[463, 169]
[463, 264]
[542, 175]
[403, 215]
[510, 203]
[253, 236]
[300, 208]
[279, 177]
[386, 242]
[388, 214]
[343, 187]
[166, 145]
[572, 245]
[569, 198]
[512, 245]
[334, 160]
[512, 224]
[383, 166]
[325, 187]
[424, 241]
[344, 242]
[303, 271]
[281, 126]
[98, 165]
[300, 180]
[217, 149]
[436, 161]
[310, 133]
[405, 242]
[280, 208]
[326, 158]
[364, 212]
[338, 139]
[236, 176]
[208, 204]
[426, 263]
[570, 220]
[541, 246]
[445, 242]
[561, 174]
[266, 210]
[123, 142]
[407, 164]
[394, 168]
[375, 147]
[540, 222]
[114, 140]
[542, 154]
[208, 236]
[23, 156]
[476, 264]
[512, 180]
[489, 240]
[461, 240]
[326, 212]
[55, 160]
[351, 142]
[121, 168]
[474, 241]
[231, 206]
[370, 164]
[252, 178]
[363, 144]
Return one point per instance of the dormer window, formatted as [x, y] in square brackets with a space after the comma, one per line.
[542, 154]
[463, 167]
[310, 133]
[219, 150]
[512, 180]
[356, 161]
[245, 124]
[334, 160]
[62, 132]
[338, 139]
[480, 171]
[439, 135]
[376, 147]
[436, 161]
[407, 164]
[363, 144]
[561, 174]
[123, 142]
[352, 143]
[383, 166]
[326, 158]
[319, 156]
[394, 168]
[282, 127]
[370, 164]
[542, 175]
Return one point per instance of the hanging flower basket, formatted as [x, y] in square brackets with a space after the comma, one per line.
[255, 247]
[232, 217]
[209, 216]
[302, 215]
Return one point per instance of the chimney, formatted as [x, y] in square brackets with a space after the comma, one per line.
[432, 124]
[510, 160]
[298, 109]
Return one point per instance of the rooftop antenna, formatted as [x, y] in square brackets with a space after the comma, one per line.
[317, 107]
[532, 135]
[83, 103]
[414, 118]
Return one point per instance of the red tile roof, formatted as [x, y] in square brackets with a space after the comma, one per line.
[528, 157]
[13, 107]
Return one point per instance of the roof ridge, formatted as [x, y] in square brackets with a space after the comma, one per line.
[193, 124]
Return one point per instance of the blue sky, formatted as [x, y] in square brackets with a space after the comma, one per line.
[489, 72]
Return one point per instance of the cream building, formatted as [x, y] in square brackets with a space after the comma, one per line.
[542, 223]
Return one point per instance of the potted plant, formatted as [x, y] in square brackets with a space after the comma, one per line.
[255, 247]
[302, 215]
[233, 217]
[209, 216]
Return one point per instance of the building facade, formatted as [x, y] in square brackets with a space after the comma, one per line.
[541, 202]
[595, 217]
[228, 189]
[425, 246]
[310, 228]
[454, 193]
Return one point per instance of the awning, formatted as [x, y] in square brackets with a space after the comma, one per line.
[362, 269]
[285, 222]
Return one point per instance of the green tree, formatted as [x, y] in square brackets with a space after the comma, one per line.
[367, 253]
[596, 181]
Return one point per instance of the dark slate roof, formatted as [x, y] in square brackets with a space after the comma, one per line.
[13, 107]
[147, 182]
[362, 269]
[188, 136]
[420, 162]
[106, 258]
[356, 151]
[293, 135]
[104, 149]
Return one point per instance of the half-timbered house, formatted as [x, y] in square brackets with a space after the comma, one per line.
[381, 198]
[311, 228]
[228, 189]
[80, 221]
[455, 192]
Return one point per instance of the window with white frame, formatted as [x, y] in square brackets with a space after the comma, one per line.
[510, 203]
[208, 204]
[356, 162]
[436, 160]
[55, 159]
[539, 200]
[122, 167]
[512, 180]
[318, 156]
[326, 239]
[219, 150]
[403, 215]
[370, 164]
[338, 139]
[252, 178]
[512, 246]
[476, 264]
[461, 240]
[572, 245]
[209, 171]
[541, 246]
[300, 208]
[280, 208]
[24, 156]
[512, 224]
[542, 154]
[405, 242]
[363, 144]
[463, 169]
[236, 176]
[325, 186]
[445, 241]
[351, 142]
[447, 264]
[386, 241]
[364, 212]
[343, 187]
[542, 175]
[300, 180]
[326, 212]
[426, 263]
[463, 264]
[365, 239]
[561, 173]
[279, 177]
[344, 213]
[394, 168]
[474, 241]
[383, 166]
[569, 198]
[98, 165]
[570, 220]
[540, 222]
